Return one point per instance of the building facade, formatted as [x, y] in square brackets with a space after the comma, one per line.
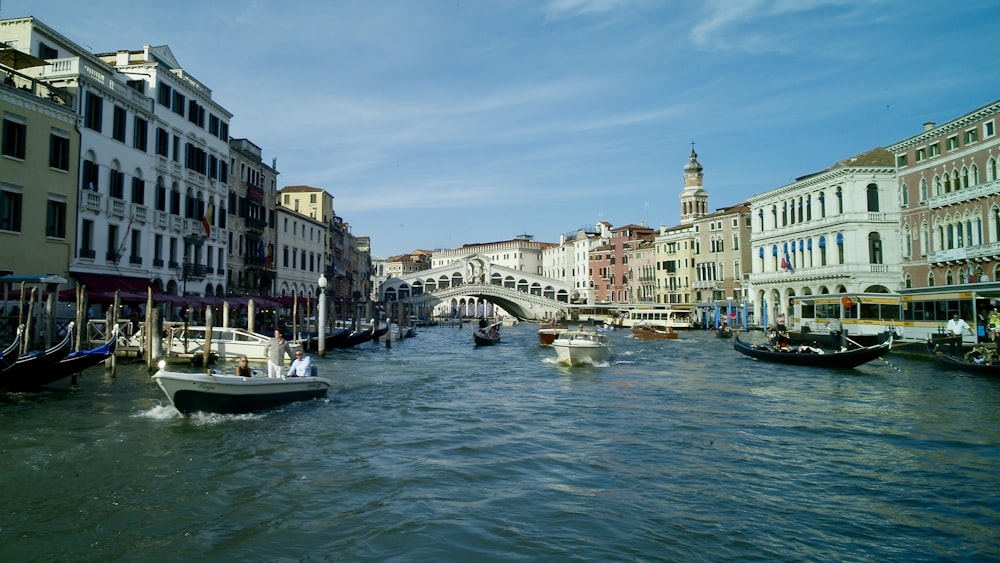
[835, 231]
[250, 244]
[39, 158]
[949, 191]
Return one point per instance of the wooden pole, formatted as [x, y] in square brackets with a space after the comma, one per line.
[251, 316]
[147, 331]
[206, 352]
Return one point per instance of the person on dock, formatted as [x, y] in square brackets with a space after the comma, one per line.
[243, 367]
[276, 350]
[301, 366]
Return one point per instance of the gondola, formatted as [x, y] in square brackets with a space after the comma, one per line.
[958, 363]
[487, 335]
[9, 355]
[332, 341]
[34, 366]
[829, 358]
[724, 332]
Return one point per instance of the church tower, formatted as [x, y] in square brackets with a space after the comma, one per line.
[694, 198]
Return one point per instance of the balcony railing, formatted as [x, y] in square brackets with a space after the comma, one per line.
[964, 194]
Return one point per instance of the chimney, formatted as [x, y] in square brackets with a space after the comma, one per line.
[121, 58]
[929, 125]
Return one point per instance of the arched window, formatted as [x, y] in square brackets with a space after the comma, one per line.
[872, 198]
[904, 195]
[923, 189]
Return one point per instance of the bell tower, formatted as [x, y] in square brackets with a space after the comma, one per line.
[694, 198]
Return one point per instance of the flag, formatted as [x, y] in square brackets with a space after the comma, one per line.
[786, 262]
[207, 220]
[269, 257]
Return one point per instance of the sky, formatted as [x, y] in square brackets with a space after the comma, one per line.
[436, 124]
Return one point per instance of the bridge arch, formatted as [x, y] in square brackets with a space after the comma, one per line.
[522, 294]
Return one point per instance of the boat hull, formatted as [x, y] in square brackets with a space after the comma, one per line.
[230, 394]
[582, 348]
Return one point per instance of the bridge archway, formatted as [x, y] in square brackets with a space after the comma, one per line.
[524, 295]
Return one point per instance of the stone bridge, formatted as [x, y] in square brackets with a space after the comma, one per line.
[460, 285]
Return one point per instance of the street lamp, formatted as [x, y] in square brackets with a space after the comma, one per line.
[321, 317]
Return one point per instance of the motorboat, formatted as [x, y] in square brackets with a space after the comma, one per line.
[583, 347]
[646, 331]
[227, 343]
[548, 331]
[215, 392]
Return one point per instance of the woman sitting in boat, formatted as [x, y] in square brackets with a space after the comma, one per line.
[243, 367]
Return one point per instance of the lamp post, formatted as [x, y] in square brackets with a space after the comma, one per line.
[321, 317]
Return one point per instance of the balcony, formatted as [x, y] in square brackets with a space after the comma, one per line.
[90, 201]
[964, 194]
[116, 207]
[961, 255]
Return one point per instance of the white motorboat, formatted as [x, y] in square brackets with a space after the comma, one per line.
[232, 394]
[227, 343]
[583, 347]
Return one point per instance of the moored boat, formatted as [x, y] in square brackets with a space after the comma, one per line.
[813, 356]
[26, 371]
[583, 347]
[228, 343]
[9, 354]
[232, 394]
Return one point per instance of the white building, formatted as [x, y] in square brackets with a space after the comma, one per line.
[835, 231]
[301, 245]
[154, 164]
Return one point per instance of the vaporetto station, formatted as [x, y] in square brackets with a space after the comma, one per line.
[474, 286]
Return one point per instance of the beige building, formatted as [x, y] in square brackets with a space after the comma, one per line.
[39, 159]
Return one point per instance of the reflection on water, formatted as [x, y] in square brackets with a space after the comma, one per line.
[434, 449]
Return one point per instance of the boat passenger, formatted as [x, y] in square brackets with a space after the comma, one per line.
[243, 367]
[301, 367]
[977, 355]
[276, 350]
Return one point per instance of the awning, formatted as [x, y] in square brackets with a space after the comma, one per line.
[101, 283]
[12, 58]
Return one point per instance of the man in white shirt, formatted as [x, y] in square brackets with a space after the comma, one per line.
[301, 367]
[956, 327]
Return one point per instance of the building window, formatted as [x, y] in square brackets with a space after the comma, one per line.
[55, 219]
[94, 112]
[952, 143]
[118, 125]
[117, 184]
[934, 149]
[162, 142]
[10, 210]
[988, 130]
[971, 136]
[904, 195]
[59, 151]
[872, 198]
[138, 191]
[15, 133]
[87, 239]
[141, 133]
[901, 160]
[921, 154]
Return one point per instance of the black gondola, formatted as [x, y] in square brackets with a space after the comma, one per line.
[958, 363]
[487, 335]
[831, 359]
[33, 366]
[9, 355]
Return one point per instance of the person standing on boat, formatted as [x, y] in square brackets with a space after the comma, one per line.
[276, 350]
[956, 328]
[301, 366]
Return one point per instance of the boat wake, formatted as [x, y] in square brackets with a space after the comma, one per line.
[168, 412]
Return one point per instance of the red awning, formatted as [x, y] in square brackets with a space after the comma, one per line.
[101, 283]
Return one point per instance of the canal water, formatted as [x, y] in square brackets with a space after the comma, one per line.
[434, 450]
